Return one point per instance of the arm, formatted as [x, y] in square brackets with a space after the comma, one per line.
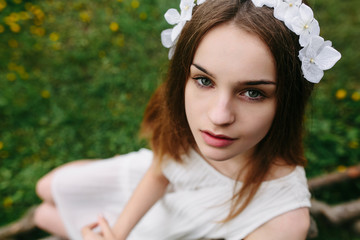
[293, 225]
[150, 189]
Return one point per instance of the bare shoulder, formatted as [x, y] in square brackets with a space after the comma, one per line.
[293, 225]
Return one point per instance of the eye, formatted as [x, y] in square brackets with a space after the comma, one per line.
[253, 95]
[203, 81]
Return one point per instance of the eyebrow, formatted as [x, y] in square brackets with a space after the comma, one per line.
[202, 69]
[260, 82]
[249, 83]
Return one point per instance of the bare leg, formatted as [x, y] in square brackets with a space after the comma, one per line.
[47, 216]
[48, 219]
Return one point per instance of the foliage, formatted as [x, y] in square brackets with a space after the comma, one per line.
[333, 124]
[75, 77]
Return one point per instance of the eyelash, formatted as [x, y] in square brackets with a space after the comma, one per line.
[259, 98]
[242, 93]
[199, 84]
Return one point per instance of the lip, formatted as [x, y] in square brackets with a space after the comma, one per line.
[216, 140]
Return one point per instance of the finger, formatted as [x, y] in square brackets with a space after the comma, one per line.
[93, 225]
[105, 228]
[87, 229]
[92, 236]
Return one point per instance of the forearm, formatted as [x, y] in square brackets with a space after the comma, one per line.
[150, 189]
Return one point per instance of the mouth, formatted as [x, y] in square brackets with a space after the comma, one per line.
[216, 140]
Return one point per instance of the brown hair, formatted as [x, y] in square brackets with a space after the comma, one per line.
[165, 121]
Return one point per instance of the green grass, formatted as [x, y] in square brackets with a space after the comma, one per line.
[72, 87]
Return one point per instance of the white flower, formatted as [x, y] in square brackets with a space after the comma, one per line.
[286, 10]
[167, 42]
[305, 25]
[186, 7]
[269, 3]
[173, 17]
[317, 57]
[166, 38]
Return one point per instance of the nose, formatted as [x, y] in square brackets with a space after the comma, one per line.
[221, 111]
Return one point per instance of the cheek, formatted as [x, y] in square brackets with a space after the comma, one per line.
[267, 122]
[195, 106]
[260, 123]
[189, 103]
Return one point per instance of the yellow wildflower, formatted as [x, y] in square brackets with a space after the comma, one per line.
[2, 29]
[1, 145]
[355, 96]
[11, 77]
[84, 16]
[7, 202]
[143, 16]
[341, 94]
[45, 94]
[135, 4]
[13, 43]
[14, 27]
[353, 144]
[39, 14]
[54, 37]
[341, 168]
[24, 15]
[2, 4]
[22, 72]
[39, 31]
[13, 17]
[114, 26]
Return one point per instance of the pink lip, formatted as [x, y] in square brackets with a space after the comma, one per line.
[216, 140]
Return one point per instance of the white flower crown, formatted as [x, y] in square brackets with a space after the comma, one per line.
[316, 55]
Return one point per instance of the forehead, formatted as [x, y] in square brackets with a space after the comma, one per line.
[229, 51]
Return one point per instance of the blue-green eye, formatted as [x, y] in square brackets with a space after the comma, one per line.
[252, 94]
[203, 81]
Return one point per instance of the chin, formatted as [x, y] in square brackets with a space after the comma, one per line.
[216, 154]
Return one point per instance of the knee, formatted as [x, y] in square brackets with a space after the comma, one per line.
[43, 188]
[41, 215]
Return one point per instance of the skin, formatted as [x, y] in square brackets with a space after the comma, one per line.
[230, 91]
[227, 93]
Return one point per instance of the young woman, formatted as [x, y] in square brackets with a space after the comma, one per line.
[225, 130]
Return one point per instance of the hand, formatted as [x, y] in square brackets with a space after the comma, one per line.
[105, 234]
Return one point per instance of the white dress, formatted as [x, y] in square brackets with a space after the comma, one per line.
[196, 200]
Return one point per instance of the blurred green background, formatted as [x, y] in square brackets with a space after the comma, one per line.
[75, 77]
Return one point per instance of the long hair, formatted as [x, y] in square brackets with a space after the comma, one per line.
[165, 120]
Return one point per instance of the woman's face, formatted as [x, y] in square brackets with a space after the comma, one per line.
[230, 97]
